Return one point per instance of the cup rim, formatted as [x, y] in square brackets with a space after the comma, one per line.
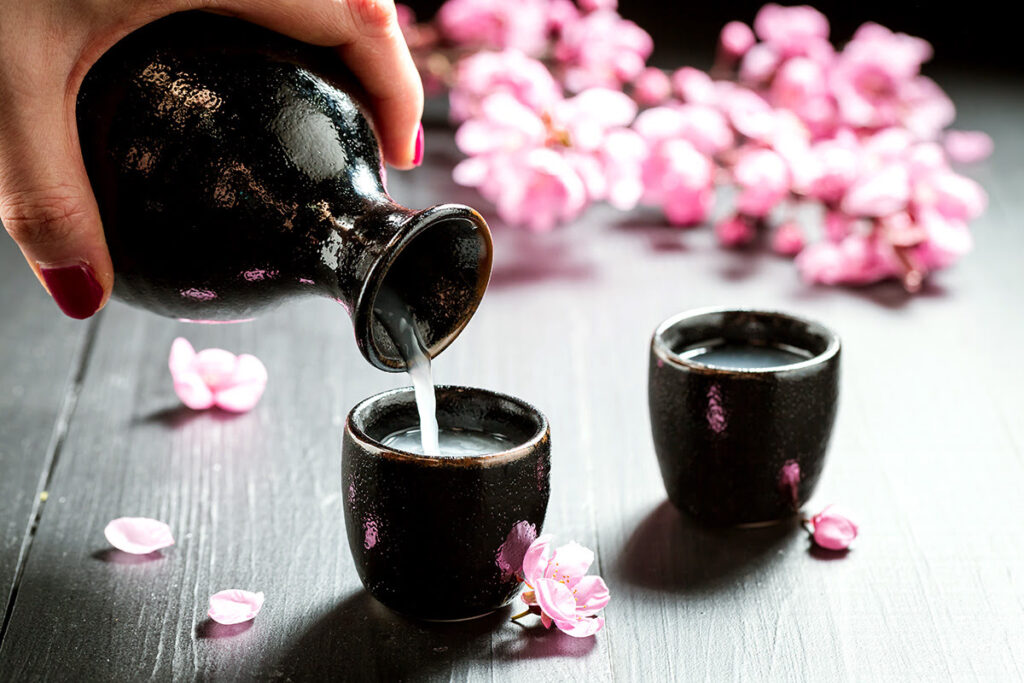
[663, 352]
[357, 433]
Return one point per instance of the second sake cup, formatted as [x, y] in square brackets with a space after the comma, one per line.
[742, 404]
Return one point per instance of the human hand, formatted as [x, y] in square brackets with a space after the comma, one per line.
[46, 48]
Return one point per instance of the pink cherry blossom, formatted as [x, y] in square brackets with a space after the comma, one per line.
[856, 260]
[216, 377]
[838, 225]
[946, 240]
[622, 156]
[679, 179]
[879, 193]
[234, 606]
[652, 87]
[693, 86]
[559, 587]
[496, 24]
[601, 49]
[591, 5]
[799, 30]
[832, 529]
[509, 71]
[968, 146]
[736, 38]
[800, 85]
[763, 179]
[734, 231]
[702, 126]
[759, 64]
[834, 167]
[138, 535]
[788, 239]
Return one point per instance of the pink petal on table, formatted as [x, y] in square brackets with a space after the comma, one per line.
[833, 529]
[138, 535]
[182, 358]
[968, 146]
[581, 628]
[216, 367]
[234, 606]
[591, 595]
[555, 600]
[193, 392]
[245, 387]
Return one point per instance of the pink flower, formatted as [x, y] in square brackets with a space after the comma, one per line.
[693, 86]
[536, 188]
[788, 239]
[561, 589]
[679, 179]
[652, 87]
[856, 260]
[702, 126]
[591, 5]
[601, 49]
[945, 241]
[486, 73]
[496, 24]
[138, 535]
[763, 179]
[832, 529]
[234, 606]
[622, 156]
[801, 86]
[833, 167]
[968, 146]
[736, 38]
[759, 64]
[838, 225]
[792, 31]
[216, 377]
[734, 231]
[880, 193]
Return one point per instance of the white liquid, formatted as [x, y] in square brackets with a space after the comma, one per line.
[423, 386]
[397, 319]
[452, 442]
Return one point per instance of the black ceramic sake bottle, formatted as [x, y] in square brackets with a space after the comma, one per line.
[234, 168]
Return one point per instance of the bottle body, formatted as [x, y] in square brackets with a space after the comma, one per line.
[234, 170]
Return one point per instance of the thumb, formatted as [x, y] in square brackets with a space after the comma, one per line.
[47, 204]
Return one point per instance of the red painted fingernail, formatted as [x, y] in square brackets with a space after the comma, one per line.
[417, 156]
[75, 289]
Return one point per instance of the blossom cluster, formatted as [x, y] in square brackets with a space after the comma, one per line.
[557, 108]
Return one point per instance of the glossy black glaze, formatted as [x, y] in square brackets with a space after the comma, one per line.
[442, 538]
[741, 446]
[234, 169]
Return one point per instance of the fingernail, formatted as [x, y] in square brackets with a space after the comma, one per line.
[417, 156]
[74, 288]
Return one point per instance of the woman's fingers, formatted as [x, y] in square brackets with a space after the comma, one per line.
[369, 40]
[46, 202]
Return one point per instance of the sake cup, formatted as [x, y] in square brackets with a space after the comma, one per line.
[742, 439]
[443, 538]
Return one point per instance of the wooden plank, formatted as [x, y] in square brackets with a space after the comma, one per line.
[40, 350]
[927, 449]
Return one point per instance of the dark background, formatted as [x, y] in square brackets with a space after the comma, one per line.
[977, 34]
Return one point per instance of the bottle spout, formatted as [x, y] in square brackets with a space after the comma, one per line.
[438, 266]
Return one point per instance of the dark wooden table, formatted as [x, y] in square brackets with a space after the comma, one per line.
[928, 449]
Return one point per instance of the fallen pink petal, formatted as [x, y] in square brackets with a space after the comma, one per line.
[235, 606]
[832, 529]
[138, 535]
[216, 377]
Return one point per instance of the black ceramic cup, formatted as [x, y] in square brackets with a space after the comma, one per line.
[741, 445]
[443, 538]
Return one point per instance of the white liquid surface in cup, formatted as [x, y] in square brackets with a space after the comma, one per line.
[452, 442]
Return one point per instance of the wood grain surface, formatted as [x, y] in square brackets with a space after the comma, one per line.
[928, 450]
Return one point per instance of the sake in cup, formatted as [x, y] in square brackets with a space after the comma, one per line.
[442, 538]
[742, 404]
